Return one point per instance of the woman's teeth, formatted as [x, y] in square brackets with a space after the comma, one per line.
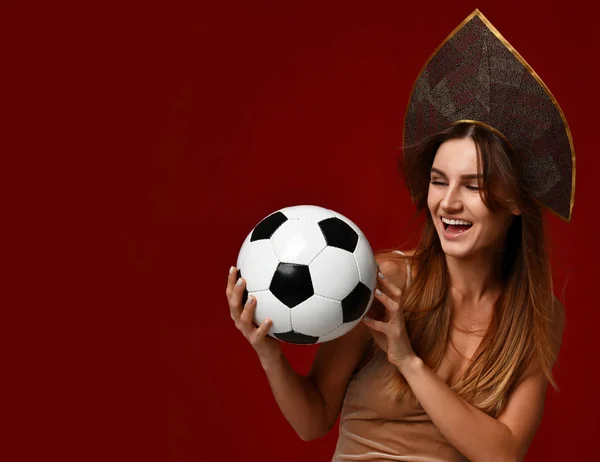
[456, 226]
[456, 222]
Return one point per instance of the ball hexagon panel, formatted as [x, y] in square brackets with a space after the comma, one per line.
[257, 264]
[298, 241]
[367, 266]
[307, 212]
[356, 303]
[268, 306]
[291, 284]
[334, 273]
[339, 234]
[349, 222]
[266, 228]
[328, 312]
[339, 331]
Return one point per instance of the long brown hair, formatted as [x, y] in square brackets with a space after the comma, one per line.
[519, 330]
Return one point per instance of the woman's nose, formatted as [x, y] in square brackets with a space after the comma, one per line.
[451, 200]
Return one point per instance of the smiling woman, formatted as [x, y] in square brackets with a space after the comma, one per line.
[475, 334]
[473, 188]
[453, 360]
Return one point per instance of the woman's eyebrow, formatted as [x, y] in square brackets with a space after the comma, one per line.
[469, 176]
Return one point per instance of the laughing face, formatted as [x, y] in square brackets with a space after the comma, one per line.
[465, 226]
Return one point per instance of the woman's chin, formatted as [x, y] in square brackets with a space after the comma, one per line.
[456, 249]
[455, 254]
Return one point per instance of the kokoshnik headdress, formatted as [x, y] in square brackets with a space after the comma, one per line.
[475, 75]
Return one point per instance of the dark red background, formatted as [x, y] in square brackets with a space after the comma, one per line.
[144, 141]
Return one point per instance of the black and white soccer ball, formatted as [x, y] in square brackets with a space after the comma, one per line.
[312, 272]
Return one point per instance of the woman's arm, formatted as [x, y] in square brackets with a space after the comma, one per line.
[312, 403]
[471, 431]
[474, 433]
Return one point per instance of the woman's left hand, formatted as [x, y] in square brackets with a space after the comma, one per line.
[390, 334]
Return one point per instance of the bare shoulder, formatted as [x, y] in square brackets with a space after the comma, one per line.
[394, 266]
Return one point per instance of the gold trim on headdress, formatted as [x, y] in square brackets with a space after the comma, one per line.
[456, 82]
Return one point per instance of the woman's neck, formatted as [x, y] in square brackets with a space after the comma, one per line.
[476, 279]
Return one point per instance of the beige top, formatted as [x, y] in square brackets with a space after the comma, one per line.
[374, 427]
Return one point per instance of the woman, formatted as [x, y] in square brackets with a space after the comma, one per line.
[454, 358]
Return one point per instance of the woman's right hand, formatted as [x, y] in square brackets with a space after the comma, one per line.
[267, 348]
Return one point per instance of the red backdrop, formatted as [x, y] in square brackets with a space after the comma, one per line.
[164, 133]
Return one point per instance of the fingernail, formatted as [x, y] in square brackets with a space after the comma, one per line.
[231, 269]
[239, 282]
[378, 292]
[250, 300]
[380, 275]
[366, 318]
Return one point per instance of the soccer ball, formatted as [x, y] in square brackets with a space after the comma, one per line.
[312, 272]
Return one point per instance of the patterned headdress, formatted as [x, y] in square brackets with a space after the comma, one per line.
[475, 75]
